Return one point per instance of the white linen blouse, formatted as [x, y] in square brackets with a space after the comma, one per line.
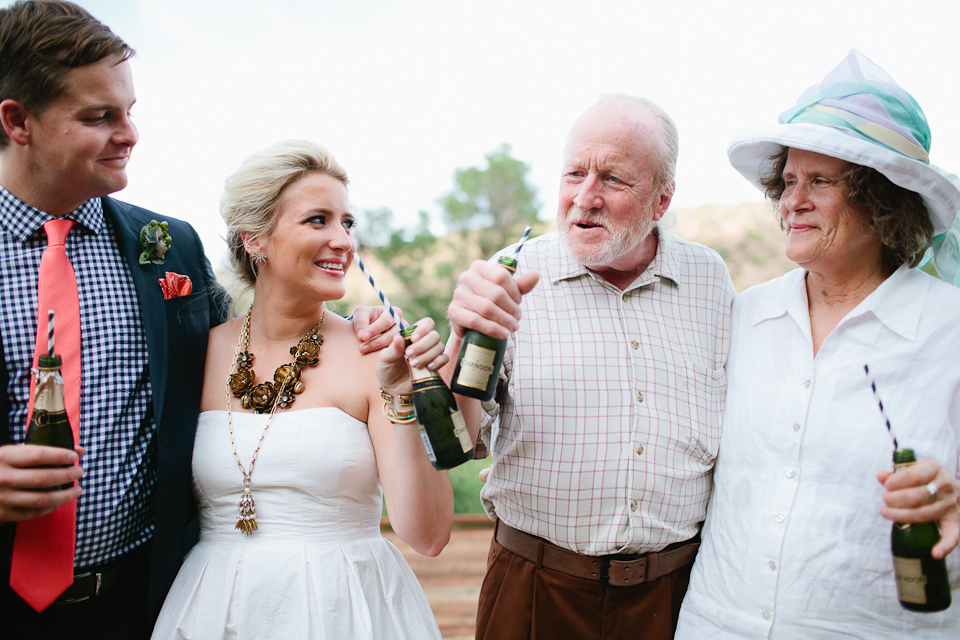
[793, 544]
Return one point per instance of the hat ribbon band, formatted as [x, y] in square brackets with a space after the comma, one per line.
[878, 132]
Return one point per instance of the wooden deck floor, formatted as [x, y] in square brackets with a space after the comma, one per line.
[452, 579]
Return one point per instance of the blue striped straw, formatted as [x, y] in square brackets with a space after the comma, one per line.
[883, 412]
[356, 256]
[50, 332]
[523, 238]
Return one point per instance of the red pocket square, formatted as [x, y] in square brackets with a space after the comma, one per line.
[175, 285]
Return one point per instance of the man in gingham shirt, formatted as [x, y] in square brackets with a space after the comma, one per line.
[606, 422]
[65, 98]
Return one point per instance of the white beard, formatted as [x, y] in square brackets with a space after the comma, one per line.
[624, 239]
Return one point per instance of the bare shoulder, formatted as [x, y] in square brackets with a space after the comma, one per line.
[340, 340]
[349, 377]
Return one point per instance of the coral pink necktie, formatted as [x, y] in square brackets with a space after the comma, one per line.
[43, 551]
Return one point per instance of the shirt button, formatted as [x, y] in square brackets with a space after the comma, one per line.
[639, 449]
[772, 565]
[635, 344]
[791, 473]
[779, 520]
[633, 505]
[766, 615]
[806, 384]
[639, 396]
[796, 426]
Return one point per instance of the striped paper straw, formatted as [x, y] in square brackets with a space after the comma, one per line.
[50, 332]
[883, 412]
[523, 239]
[356, 256]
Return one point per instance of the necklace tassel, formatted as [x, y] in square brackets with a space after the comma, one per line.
[247, 510]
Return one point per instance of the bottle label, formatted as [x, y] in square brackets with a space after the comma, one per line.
[426, 443]
[433, 382]
[49, 392]
[911, 583]
[476, 367]
[460, 430]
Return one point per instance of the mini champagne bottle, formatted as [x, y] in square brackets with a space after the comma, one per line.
[480, 359]
[922, 582]
[442, 427]
[49, 425]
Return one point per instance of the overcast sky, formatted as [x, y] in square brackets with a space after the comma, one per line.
[405, 91]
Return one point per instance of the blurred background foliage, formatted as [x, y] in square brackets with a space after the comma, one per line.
[486, 209]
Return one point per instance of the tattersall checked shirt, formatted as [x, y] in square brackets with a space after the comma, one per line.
[607, 417]
[115, 512]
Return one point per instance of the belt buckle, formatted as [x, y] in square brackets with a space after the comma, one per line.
[96, 592]
[605, 570]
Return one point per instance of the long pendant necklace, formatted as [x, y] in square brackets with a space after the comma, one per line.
[263, 397]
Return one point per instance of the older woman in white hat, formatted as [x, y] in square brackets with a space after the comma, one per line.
[796, 542]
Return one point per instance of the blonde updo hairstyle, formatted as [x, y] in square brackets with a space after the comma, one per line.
[249, 204]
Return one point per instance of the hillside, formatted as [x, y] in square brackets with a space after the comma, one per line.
[746, 235]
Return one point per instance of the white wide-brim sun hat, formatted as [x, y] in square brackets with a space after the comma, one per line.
[858, 114]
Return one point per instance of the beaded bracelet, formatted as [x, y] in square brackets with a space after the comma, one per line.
[404, 399]
[396, 418]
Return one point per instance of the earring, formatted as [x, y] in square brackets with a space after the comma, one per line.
[258, 259]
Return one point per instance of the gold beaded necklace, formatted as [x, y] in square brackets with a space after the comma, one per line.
[267, 396]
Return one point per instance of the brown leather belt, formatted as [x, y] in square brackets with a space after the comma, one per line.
[108, 577]
[622, 570]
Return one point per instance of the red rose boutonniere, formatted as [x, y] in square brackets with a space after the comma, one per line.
[175, 285]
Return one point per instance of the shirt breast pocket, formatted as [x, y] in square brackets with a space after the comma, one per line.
[706, 391]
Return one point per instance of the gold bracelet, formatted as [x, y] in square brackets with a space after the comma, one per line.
[404, 399]
[396, 418]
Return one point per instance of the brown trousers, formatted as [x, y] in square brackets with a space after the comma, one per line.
[519, 601]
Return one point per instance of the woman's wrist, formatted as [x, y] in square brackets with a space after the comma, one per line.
[400, 402]
[403, 416]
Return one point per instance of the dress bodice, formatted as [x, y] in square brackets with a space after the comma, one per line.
[314, 465]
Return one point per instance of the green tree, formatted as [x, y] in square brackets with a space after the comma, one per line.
[488, 208]
[411, 255]
[491, 206]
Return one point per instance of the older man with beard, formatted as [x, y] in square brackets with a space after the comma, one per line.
[606, 420]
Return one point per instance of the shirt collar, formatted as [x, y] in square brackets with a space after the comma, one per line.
[894, 302]
[790, 298]
[665, 264]
[22, 220]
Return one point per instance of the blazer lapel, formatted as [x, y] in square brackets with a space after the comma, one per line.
[145, 281]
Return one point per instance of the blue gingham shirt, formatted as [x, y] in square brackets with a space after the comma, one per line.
[116, 511]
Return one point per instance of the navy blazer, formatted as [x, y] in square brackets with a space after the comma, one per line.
[176, 332]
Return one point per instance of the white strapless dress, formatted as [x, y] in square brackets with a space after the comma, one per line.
[318, 567]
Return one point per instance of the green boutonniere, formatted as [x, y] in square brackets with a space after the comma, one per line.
[155, 242]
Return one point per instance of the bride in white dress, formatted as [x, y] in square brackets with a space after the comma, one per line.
[314, 565]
